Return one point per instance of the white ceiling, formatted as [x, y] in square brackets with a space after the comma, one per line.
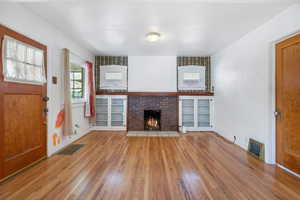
[189, 27]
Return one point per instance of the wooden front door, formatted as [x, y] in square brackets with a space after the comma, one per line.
[22, 119]
[288, 103]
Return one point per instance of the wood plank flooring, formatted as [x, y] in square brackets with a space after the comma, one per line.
[112, 166]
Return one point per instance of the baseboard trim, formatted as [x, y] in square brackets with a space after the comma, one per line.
[55, 153]
[227, 140]
[23, 169]
[86, 132]
[288, 170]
[99, 128]
[235, 144]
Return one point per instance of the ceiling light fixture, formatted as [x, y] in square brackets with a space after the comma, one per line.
[153, 37]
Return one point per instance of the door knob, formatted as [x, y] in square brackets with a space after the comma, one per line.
[46, 99]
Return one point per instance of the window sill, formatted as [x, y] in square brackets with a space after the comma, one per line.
[78, 102]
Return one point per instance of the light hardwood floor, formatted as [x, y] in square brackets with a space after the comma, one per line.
[112, 166]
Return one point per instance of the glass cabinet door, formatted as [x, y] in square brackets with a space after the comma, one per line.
[117, 112]
[196, 113]
[111, 112]
[203, 113]
[188, 112]
[102, 111]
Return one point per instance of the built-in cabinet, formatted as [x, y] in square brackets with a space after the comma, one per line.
[111, 112]
[196, 113]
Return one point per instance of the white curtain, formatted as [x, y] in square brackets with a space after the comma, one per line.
[90, 110]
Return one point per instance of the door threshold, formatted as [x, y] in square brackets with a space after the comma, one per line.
[288, 170]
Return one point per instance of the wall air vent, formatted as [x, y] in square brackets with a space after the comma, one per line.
[256, 149]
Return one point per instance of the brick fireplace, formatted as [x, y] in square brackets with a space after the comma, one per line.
[138, 105]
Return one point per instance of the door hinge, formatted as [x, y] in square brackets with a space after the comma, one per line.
[277, 114]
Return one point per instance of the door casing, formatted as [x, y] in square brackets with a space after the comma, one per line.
[284, 42]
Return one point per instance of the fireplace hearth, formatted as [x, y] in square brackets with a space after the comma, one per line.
[152, 120]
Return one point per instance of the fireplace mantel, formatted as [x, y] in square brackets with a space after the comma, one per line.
[159, 93]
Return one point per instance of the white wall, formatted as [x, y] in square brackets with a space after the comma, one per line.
[23, 21]
[152, 74]
[244, 81]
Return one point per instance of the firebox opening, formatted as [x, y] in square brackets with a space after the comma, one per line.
[152, 120]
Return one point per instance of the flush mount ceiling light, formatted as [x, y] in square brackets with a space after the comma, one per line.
[153, 37]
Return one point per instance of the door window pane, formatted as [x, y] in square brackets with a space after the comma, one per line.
[11, 68]
[30, 56]
[21, 53]
[11, 48]
[22, 62]
[39, 58]
[20, 69]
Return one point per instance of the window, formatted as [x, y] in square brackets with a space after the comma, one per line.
[22, 62]
[113, 77]
[191, 78]
[77, 81]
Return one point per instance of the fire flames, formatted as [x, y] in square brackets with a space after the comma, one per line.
[152, 122]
